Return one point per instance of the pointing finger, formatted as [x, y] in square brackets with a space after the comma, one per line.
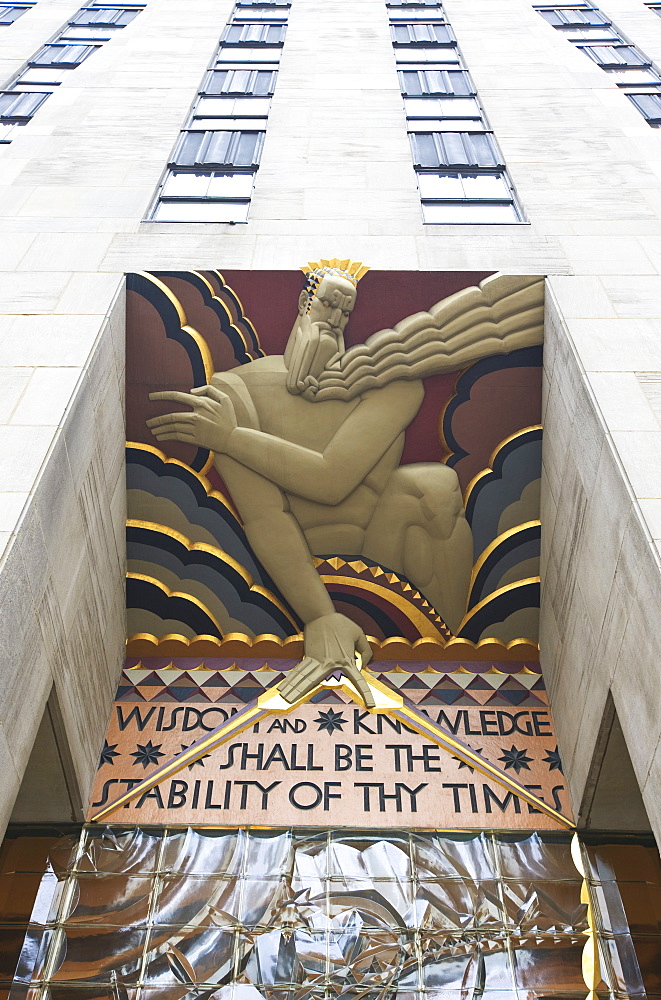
[176, 397]
[354, 674]
[171, 418]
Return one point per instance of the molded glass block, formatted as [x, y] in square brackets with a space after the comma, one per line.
[545, 907]
[549, 966]
[126, 852]
[467, 856]
[525, 856]
[219, 902]
[369, 856]
[465, 964]
[89, 955]
[204, 852]
[117, 900]
[190, 955]
[468, 213]
[269, 852]
[458, 905]
[200, 900]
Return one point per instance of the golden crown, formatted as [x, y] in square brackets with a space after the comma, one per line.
[352, 270]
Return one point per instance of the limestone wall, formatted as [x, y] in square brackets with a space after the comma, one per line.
[336, 179]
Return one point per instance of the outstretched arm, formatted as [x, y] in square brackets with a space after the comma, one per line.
[326, 476]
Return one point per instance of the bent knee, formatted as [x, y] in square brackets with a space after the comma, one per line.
[436, 483]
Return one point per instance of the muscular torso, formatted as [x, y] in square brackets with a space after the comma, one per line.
[313, 425]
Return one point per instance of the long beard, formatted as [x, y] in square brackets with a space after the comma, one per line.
[308, 354]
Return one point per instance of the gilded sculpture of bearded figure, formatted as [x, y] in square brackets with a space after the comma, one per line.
[309, 446]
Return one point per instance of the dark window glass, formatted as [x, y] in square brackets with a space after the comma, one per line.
[422, 82]
[256, 82]
[264, 3]
[649, 106]
[105, 16]
[421, 33]
[570, 17]
[454, 149]
[254, 34]
[63, 55]
[20, 107]
[11, 12]
[222, 149]
[615, 55]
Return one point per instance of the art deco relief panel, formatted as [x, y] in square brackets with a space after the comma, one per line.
[327, 469]
[401, 466]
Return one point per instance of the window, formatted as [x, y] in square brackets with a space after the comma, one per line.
[461, 175]
[454, 149]
[11, 12]
[603, 43]
[417, 82]
[19, 107]
[62, 55]
[572, 17]
[211, 173]
[218, 149]
[254, 34]
[615, 56]
[649, 106]
[117, 17]
[258, 83]
[74, 43]
[421, 33]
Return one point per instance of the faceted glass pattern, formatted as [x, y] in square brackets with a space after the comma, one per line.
[144, 914]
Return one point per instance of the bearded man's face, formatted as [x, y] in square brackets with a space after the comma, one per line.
[318, 335]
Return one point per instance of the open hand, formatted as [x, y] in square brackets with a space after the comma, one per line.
[331, 643]
[209, 425]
